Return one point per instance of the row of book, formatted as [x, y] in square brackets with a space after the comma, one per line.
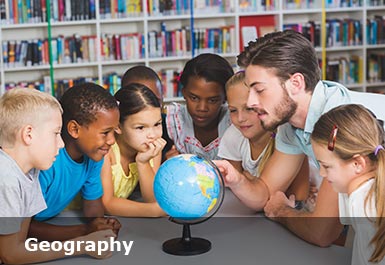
[120, 8]
[122, 46]
[112, 82]
[311, 30]
[345, 70]
[376, 67]
[165, 42]
[375, 30]
[25, 53]
[298, 4]
[343, 32]
[214, 6]
[35, 11]
[72, 49]
[342, 3]
[376, 2]
[214, 40]
[257, 5]
[339, 32]
[168, 7]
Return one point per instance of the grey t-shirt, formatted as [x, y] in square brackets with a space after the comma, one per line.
[20, 194]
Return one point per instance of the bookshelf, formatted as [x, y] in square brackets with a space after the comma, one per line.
[166, 34]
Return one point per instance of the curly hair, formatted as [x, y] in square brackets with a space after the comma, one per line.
[83, 101]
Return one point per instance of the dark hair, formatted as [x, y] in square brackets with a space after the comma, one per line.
[139, 72]
[211, 67]
[83, 101]
[287, 52]
[134, 98]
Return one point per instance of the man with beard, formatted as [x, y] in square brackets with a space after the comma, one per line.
[286, 92]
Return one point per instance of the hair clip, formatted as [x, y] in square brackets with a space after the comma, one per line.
[272, 135]
[332, 138]
[118, 102]
[378, 148]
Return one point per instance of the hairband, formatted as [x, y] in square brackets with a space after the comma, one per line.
[240, 71]
[378, 148]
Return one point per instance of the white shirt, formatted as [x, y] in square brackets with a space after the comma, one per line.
[354, 211]
[234, 146]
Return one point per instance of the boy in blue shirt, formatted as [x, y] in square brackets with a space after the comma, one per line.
[30, 125]
[90, 118]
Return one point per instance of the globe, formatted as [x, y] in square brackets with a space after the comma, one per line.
[189, 188]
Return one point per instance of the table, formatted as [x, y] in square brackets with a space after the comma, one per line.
[242, 237]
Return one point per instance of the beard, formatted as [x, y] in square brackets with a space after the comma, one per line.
[284, 111]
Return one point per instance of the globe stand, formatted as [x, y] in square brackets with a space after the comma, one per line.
[187, 245]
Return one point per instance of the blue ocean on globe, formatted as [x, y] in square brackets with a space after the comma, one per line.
[187, 187]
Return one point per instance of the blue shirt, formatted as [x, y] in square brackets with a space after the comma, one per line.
[63, 181]
[326, 95]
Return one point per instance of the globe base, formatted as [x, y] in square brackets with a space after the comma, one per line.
[180, 247]
[186, 245]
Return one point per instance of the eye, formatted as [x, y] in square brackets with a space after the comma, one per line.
[193, 98]
[139, 127]
[213, 100]
[249, 109]
[158, 124]
[232, 110]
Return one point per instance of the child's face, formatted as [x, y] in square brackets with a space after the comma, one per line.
[244, 119]
[203, 100]
[339, 173]
[48, 139]
[94, 140]
[142, 128]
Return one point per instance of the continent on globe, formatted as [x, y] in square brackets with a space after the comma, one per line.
[188, 187]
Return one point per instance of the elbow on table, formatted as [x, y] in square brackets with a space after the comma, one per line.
[325, 236]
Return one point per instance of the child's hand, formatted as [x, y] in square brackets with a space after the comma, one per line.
[103, 235]
[102, 223]
[172, 152]
[115, 224]
[152, 151]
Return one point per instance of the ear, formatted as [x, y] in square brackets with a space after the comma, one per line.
[27, 134]
[359, 164]
[73, 128]
[184, 92]
[118, 130]
[297, 83]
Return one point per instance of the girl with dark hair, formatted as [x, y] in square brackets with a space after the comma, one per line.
[197, 126]
[136, 155]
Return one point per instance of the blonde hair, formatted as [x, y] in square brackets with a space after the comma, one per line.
[359, 132]
[239, 78]
[22, 106]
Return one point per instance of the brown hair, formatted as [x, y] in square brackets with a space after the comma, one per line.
[286, 52]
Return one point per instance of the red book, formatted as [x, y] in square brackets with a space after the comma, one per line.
[118, 53]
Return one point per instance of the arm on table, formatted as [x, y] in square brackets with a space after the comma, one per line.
[13, 250]
[320, 227]
[121, 206]
[51, 232]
